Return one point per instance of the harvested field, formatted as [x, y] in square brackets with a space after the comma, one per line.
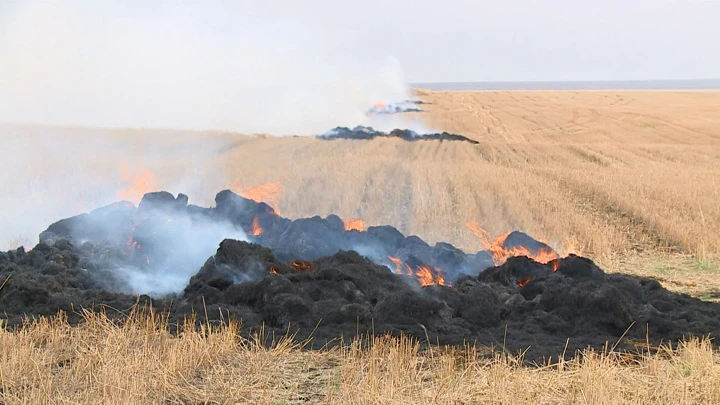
[140, 362]
[616, 175]
[628, 178]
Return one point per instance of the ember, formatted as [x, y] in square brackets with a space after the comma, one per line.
[301, 265]
[523, 282]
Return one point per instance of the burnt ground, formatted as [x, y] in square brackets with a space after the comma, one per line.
[521, 304]
[368, 133]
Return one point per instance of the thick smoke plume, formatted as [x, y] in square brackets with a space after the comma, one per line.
[192, 65]
[153, 249]
[59, 172]
[215, 65]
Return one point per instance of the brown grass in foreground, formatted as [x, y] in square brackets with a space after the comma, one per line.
[48, 361]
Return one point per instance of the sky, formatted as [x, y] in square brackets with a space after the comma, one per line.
[528, 40]
[284, 67]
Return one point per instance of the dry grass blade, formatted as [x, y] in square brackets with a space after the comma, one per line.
[4, 282]
[139, 361]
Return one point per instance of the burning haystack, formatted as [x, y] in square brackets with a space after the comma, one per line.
[329, 278]
[367, 133]
[404, 106]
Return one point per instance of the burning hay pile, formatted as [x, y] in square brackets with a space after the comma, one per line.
[329, 278]
[366, 133]
[396, 108]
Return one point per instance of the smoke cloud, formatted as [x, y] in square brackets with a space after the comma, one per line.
[190, 65]
[174, 66]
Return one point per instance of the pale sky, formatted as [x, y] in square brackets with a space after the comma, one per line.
[525, 40]
[466, 40]
[305, 66]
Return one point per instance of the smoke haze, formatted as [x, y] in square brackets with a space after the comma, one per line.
[237, 66]
[165, 64]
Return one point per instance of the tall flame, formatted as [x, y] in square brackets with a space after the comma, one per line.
[500, 253]
[256, 228]
[269, 193]
[555, 264]
[137, 184]
[356, 224]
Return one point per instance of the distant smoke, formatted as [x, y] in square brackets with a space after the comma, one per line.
[185, 65]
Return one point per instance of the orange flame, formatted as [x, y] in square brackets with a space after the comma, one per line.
[356, 224]
[427, 275]
[272, 270]
[132, 244]
[300, 265]
[500, 253]
[256, 229]
[523, 283]
[137, 185]
[399, 266]
[269, 193]
[555, 264]
[380, 105]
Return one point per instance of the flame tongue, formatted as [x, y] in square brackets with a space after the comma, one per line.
[256, 228]
[301, 265]
[500, 253]
[425, 274]
[356, 224]
[137, 185]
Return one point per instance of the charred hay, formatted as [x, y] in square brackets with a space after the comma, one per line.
[368, 133]
[332, 291]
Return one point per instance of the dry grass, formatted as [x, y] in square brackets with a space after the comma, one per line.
[628, 178]
[632, 179]
[607, 172]
[49, 361]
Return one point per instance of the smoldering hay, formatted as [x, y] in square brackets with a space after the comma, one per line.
[315, 278]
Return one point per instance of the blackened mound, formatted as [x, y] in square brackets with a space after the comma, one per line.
[395, 108]
[343, 294]
[306, 275]
[367, 133]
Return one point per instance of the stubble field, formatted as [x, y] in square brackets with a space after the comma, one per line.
[628, 178]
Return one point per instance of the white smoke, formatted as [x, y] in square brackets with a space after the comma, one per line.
[238, 66]
[54, 173]
[193, 243]
[185, 65]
